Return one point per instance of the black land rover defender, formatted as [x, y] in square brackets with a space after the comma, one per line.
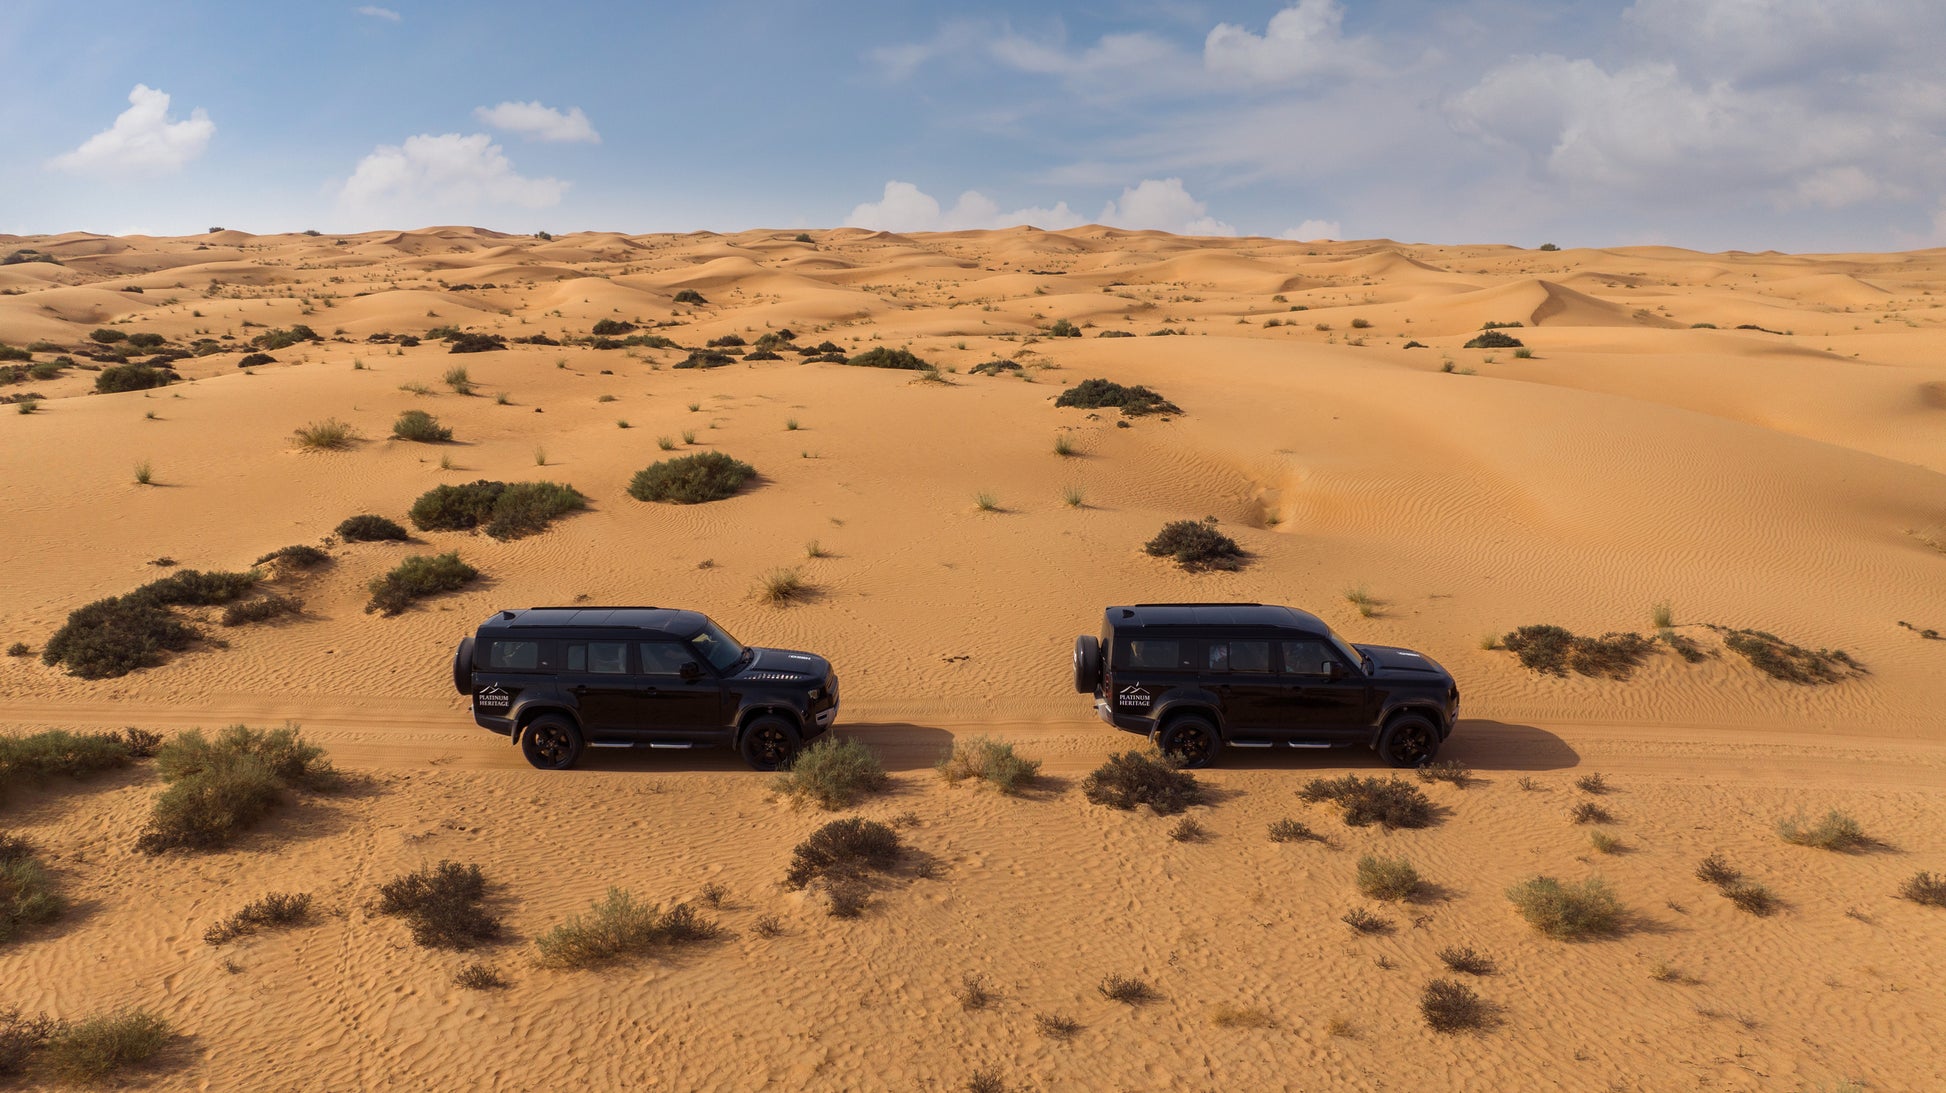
[558, 679]
[1193, 677]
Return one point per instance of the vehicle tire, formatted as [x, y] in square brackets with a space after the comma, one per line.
[463, 667]
[1191, 740]
[551, 742]
[1087, 663]
[1409, 740]
[769, 743]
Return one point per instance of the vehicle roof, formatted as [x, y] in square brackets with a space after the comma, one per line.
[1137, 616]
[649, 620]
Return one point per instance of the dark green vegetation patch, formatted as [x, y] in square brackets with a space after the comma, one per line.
[1095, 394]
[691, 479]
[505, 510]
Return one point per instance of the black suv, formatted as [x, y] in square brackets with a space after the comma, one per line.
[1193, 677]
[558, 679]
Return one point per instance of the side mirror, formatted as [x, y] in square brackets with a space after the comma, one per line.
[690, 671]
[1334, 669]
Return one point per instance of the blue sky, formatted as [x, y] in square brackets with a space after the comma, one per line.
[1716, 124]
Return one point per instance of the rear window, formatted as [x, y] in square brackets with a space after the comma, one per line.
[608, 658]
[1156, 655]
[514, 656]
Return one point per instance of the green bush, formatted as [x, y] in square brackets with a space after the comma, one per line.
[1791, 663]
[1554, 650]
[1196, 546]
[284, 339]
[475, 343]
[96, 1049]
[1136, 778]
[1568, 911]
[611, 327]
[844, 848]
[882, 357]
[298, 556]
[415, 579]
[132, 377]
[1924, 888]
[1390, 802]
[1062, 328]
[221, 787]
[456, 508]
[255, 360]
[444, 905]
[277, 910]
[27, 896]
[620, 927]
[690, 296]
[370, 529]
[705, 358]
[107, 335]
[329, 435]
[1095, 394]
[1832, 831]
[115, 636]
[33, 759]
[991, 761]
[1493, 339]
[507, 511]
[1449, 1006]
[268, 607]
[21, 1038]
[691, 479]
[421, 426]
[1387, 878]
[833, 773]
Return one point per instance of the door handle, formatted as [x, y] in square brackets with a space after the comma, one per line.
[578, 688]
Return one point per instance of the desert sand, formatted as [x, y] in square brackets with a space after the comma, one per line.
[1758, 440]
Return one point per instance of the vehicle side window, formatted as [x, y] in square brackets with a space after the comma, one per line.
[663, 658]
[1157, 655]
[515, 656]
[1238, 656]
[608, 658]
[1310, 658]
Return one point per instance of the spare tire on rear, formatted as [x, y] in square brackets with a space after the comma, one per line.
[1087, 663]
[463, 667]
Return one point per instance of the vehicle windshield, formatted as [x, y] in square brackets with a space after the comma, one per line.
[714, 645]
[1345, 650]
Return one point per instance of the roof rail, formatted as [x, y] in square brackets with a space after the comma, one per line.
[596, 607]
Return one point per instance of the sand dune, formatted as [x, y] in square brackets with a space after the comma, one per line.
[1639, 448]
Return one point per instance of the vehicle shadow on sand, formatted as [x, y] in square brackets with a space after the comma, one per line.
[1485, 746]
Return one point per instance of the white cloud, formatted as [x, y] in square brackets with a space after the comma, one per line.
[143, 138]
[447, 171]
[904, 207]
[1163, 205]
[1315, 229]
[1306, 39]
[377, 12]
[531, 119]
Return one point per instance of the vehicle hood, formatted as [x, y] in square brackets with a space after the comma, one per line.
[781, 664]
[1390, 660]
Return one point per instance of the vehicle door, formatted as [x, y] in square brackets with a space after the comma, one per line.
[1146, 669]
[681, 695]
[1239, 671]
[606, 698]
[1321, 696]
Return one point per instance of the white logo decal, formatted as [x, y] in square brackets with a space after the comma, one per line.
[1133, 695]
[493, 698]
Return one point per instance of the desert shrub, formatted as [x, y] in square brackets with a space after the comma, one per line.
[416, 578]
[611, 328]
[1567, 911]
[1718, 871]
[1062, 328]
[833, 773]
[1449, 1006]
[1592, 782]
[1588, 812]
[619, 927]
[1136, 778]
[254, 360]
[705, 358]
[1390, 802]
[115, 636]
[727, 341]
[284, 339]
[1791, 663]
[1364, 921]
[298, 556]
[208, 809]
[1116, 334]
[1056, 1026]
[328, 435]
[1288, 830]
[993, 368]
[1126, 989]
[1750, 898]
[367, 528]
[1604, 843]
[278, 910]
[33, 759]
[762, 355]
[475, 343]
[507, 511]
[20, 649]
[1446, 770]
[1094, 394]
[691, 479]
[107, 335]
[975, 992]
[1493, 339]
[29, 254]
[199, 588]
[782, 587]
[1387, 878]
[1232, 1015]
[421, 426]
[21, 1037]
[1187, 830]
[445, 905]
[476, 976]
[27, 896]
[1195, 545]
[14, 353]
[651, 341]
[844, 848]
[882, 357]
[1832, 831]
[690, 296]
[1928, 889]
[1465, 959]
[261, 610]
[91, 1051]
[1554, 650]
[132, 377]
[991, 761]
